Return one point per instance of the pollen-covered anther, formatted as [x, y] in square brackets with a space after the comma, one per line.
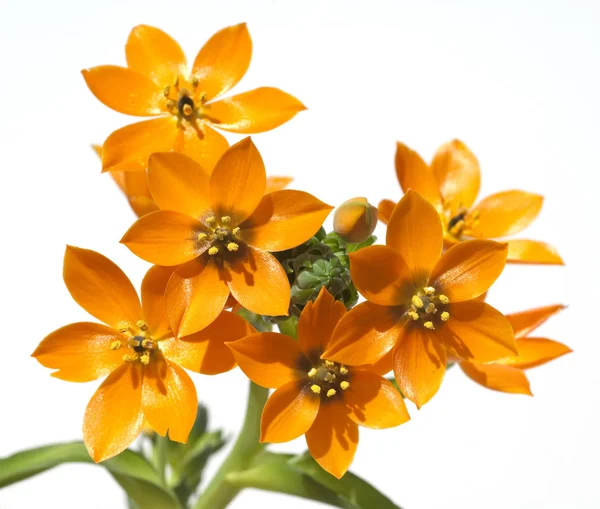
[331, 393]
[170, 104]
[312, 372]
[429, 290]
[329, 364]
[232, 246]
[429, 325]
[167, 91]
[133, 343]
[414, 315]
[226, 219]
[202, 236]
[148, 344]
[195, 81]
[142, 325]
[210, 220]
[115, 345]
[443, 299]
[145, 359]
[416, 301]
[213, 250]
[130, 357]
[123, 326]
[430, 308]
[445, 316]
[343, 370]
[344, 385]
[236, 231]
[315, 388]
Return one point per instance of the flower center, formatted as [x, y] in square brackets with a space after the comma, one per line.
[460, 223]
[428, 308]
[141, 344]
[180, 103]
[221, 237]
[328, 379]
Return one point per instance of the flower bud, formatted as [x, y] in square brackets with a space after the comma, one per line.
[355, 220]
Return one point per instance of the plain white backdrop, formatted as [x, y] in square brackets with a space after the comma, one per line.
[517, 81]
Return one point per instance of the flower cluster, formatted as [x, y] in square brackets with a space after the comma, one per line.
[234, 252]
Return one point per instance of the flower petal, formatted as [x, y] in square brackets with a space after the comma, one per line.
[256, 111]
[498, 378]
[270, 359]
[153, 301]
[124, 90]
[195, 296]
[179, 183]
[129, 148]
[223, 60]
[413, 173]
[80, 352]
[137, 191]
[204, 145]
[238, 182]
[113, 418]
[365, 334]
[457, 171]
[258, 282]
[527, 321]
[385, 210]
[535, 352]
[468, 269]
[275, 183]
[416, 232]
[152, 52]
[289, 412]
[333, 438]
[477, 332]
[165, 237]
[374, 402]
[317, 322]
[206, 351]
[381, 275]
[284, 219]
[419, 363]
[532, 251]
[169, 399]
[100, 287]
[504, 213]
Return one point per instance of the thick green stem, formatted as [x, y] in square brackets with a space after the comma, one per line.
[219, 493]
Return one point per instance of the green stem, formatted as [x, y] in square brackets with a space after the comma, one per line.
[219, 493]
[160, 455]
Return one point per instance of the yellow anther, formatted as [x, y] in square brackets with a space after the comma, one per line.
[226, 219]
[123, 326]
[417, 302]
[221, 235]
[202, 236]
[167, 91]
[443, 299]
[213, 251]
[331, 392]
[343, 370]
[145, 359]
[431, 308]
[195, 81]
[130, 358]
[148, 344]
[429, 290]
[429, 325]
[329, 377]
[232, 246]
[170, 104]
[210, 220]
[142, 325]
[236, 231]
[115, 345]
[329, 364]
[312, 372]
[187, 110]
[133, 342]
[315, 388]
[344, 385]
[444, 316]
[414, 315]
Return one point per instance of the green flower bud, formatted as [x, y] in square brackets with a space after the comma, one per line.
[355, 219]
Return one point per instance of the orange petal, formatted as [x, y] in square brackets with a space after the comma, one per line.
[256, 111]
[153, 301]
[270, 359]
[457, 171]
[129, 148]
[206, 351]
[504, 213]
[80, 351]
[535, 352]
[169, 399]
[526, 321]
[179, 183]
[416, 232]
[238, 182]
[113, 418]
[195, 296]
[284, 219]
[204, 145]
[277, 183]
[317, 322]
[333, 438]
[385, 209]
[289, 412]
[532, 251]
[152, 52]
[413, 173]
[100, 287]
[374, 402]
[477, 332]
[497, 378]
[137, 192]
[365, 334]
[223, 60]
[419, 363]
[381, 275]
[165, 237]
[124, 90]
[258, 282]
[468, 269]
[383, 366]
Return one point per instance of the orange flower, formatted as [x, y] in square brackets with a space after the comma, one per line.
[451, 185]
[422, 307]
[137, 351]
[508, 374]
[187, 102]
[324, 400]
[218, 230]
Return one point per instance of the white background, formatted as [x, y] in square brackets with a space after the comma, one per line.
[517, 81]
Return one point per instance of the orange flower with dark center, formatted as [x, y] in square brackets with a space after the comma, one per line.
[451, 185]
[138, 352]
[219, 230]
[322, 399]
[187, 101]
[508, 374]
[421, 307]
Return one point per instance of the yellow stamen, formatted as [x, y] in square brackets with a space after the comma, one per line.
[343, 370]
[315, 388]
[417, 302]
[414, 315]
[429, 290]
[130, 358]
[431, 308]
[331, 392]
[147, 343]
[213, 251]
[195, 81]
[226, 219]
[145, 359]
[232, 246]
[210, 220]
[329, 364]
[167, 91]
[170, 104]
[123, 326]
[344, 385]
[312, 372]
[133, 342]
[202, 236]
[429, 325]
[444, 316]
[236, 231]
[142, 325]
[115, 345]
[443, 299]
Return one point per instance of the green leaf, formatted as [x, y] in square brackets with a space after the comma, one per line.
[131, 470]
